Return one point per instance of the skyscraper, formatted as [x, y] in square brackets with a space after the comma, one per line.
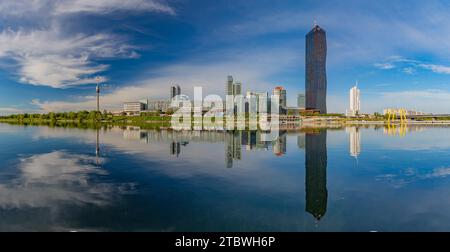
[301, 101]
[174, 91]
[230, 86]
[315, 70]
[355, 103]
[237, 88]
[281, 92]
[233, 89]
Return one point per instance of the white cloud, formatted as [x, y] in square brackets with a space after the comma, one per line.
[410, 66]
[409, 70]
[22, 8]
[45, 57]
[105, 6]
[436, 68]
[384, 66]
[52, 56]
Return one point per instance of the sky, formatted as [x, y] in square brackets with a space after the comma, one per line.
[52, 50]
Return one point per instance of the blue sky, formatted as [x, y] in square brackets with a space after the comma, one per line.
[50, 51]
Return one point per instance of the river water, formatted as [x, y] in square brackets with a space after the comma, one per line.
[128, 179]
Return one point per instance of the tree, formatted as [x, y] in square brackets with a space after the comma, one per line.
[52, 116]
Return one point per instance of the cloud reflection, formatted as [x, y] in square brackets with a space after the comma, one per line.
[52, 179]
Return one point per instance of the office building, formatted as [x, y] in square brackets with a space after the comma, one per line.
[174, 91]
[237, 88]
[145, 102]
[301, 101]
[230, 86]
[233, 89]
[257, 102]
[281, 93]
[315, 70]
[133, 108]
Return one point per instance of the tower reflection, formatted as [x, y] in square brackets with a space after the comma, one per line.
[97, 146]
[316, 173]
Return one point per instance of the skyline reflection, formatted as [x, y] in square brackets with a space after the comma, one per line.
[138, 179]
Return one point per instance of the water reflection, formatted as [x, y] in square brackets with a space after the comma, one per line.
[59, 177]
[313, 142]
[354, 141]
[184, 184]
[316, 174]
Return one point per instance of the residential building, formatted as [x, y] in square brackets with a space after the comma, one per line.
[355, 102]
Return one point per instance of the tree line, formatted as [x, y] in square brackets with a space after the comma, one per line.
[52, 116]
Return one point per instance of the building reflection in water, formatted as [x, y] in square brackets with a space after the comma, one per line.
[314, 143]
[316, 173]
[279, 145]
[301, 141]
[354, 141]
[175, 148]
[233, 149]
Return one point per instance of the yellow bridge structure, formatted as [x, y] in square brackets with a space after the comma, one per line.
[392, 116]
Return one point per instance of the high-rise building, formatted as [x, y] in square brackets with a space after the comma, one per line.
[281, 92]
[315, 70]
[233, 89]
[237, 88]
[257, 102]
[174, 91]
[301, 101]
[230, 86]
[355, 102]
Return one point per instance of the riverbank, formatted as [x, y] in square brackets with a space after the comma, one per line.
[164, 121]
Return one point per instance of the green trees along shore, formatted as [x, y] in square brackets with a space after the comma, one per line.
[87, 117]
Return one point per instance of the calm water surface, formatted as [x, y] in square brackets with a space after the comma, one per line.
[354, 179]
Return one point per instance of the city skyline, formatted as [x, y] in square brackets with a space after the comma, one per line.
[50, 59]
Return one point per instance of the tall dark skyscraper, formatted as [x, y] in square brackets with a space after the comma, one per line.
[315, 74]
[316, 173]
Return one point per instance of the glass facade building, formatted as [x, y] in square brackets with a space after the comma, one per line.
[315, 71]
